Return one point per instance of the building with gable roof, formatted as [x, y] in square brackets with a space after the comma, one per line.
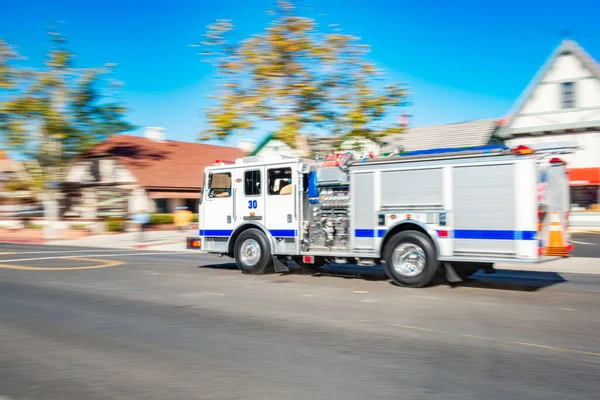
[562, 104]
[126, 174]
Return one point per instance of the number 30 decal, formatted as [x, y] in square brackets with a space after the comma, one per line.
[252, 204]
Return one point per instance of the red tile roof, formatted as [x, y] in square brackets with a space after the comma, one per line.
[165, 164]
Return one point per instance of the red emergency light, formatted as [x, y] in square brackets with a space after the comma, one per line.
[556, 160]
[521, 150]
[223, 162]
[194, 243]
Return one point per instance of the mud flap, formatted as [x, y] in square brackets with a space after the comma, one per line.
[280, 265]
[450, 274]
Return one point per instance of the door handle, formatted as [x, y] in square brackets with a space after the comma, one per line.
[233, 198]
[295, 205]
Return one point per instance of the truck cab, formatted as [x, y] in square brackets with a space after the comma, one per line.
[236, 198]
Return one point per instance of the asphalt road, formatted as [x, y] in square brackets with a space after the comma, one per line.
[586, 245]
[111, 324]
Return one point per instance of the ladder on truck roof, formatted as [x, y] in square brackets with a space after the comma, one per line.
[543, 149]
[437, 154]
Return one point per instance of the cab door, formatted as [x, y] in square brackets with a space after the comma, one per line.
[248, 196]
[217, 224]
[282, 206]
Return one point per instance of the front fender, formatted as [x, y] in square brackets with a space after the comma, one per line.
[248, 225]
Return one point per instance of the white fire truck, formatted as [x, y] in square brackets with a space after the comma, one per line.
[445, 211]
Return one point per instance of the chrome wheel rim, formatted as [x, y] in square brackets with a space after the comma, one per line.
[250, 252]
[408, 259]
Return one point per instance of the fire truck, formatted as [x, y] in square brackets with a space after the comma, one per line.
[436, 213]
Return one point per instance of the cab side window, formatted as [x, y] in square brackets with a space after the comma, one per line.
[280, 181]
[219, 185]
[252, 183]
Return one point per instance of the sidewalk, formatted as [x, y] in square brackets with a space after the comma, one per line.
[129, 240]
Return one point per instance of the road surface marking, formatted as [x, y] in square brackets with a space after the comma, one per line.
[360, 291]
[418, 328]
[65, 251]
[1, 254]
[561, 349]
[87, 255]
[106, 264]
[585, 243]
[556, 348]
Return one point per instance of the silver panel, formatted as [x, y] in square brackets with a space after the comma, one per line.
[363, 209]
[332, 176]
[414, 188]
[484, 201]
[285, 246]
[215, 245]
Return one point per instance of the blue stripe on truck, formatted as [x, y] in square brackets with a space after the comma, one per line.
[463, 234]
[493, 234]
[216, 232]
[229, 232]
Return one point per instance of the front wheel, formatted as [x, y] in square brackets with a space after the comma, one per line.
[410, 259]
[252, 252]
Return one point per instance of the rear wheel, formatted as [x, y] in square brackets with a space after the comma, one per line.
[410, 259]
[253, 253]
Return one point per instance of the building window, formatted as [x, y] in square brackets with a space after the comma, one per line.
[568, 95]
[280, 181]
[191, 205]
[219, 185]
[252, 183]
[161, 205]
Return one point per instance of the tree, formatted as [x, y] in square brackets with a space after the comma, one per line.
[48, 116]
[299, 78]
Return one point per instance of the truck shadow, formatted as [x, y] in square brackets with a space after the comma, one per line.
[523, 281]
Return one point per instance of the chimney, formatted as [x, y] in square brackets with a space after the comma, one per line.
[247, 145]
[156, 134]
[404, 120]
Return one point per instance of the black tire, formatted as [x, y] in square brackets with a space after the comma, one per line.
[258, 259]
[420, 246]
[467, 269]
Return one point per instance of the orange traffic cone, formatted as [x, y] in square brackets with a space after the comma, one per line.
[556, 243]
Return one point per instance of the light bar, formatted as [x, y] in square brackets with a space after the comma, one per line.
[521, 150]
[223, 162]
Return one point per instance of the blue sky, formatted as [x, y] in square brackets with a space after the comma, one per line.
[462, 60]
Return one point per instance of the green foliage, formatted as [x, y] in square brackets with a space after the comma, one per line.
[33, 226]
[298, 76]
[51, 115]
[161, 219]
[116, 225]
[79, 227]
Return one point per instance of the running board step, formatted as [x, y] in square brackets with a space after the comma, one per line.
[366, 262]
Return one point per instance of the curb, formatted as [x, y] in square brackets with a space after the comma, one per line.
[23, 241]
[148, 246]
[593, 231]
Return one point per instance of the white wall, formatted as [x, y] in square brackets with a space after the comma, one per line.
[110, 172]
[543, 108]
[278, 147]
[360, 147]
